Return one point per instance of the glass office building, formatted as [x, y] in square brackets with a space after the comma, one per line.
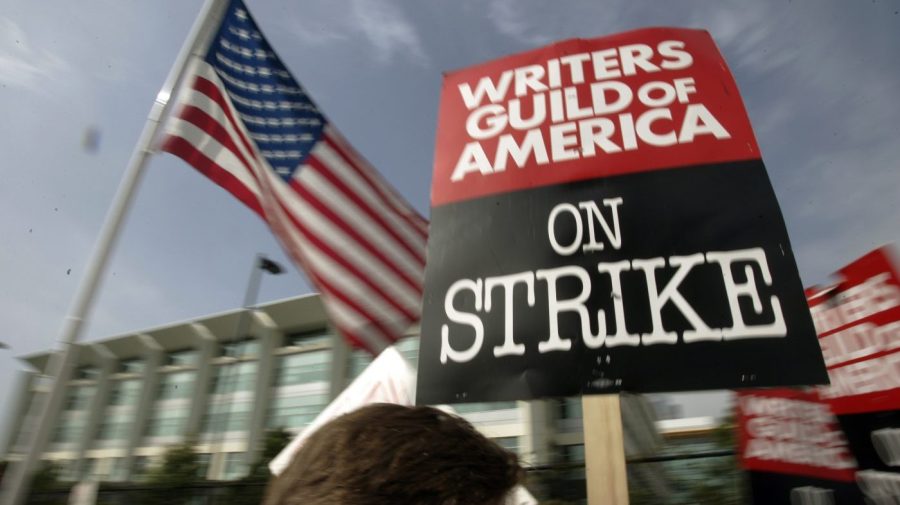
[133, 395]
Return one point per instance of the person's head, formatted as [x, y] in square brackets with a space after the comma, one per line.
[387, 454]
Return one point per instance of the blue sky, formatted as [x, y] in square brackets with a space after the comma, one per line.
[819, 79]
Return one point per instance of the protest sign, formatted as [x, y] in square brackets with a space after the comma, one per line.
[858, 323]
[798, 451]
[602, 221]
[835, 444]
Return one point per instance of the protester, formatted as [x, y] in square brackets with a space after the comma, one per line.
[386, 454]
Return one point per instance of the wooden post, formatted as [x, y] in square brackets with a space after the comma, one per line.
[604, 450]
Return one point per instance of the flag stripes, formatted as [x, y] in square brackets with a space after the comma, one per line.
[376, 182]
[360, 243]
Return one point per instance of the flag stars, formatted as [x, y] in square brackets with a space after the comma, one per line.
[244, 34]
[240, 14]
[246, 52]
[237, 67]
[239, 32]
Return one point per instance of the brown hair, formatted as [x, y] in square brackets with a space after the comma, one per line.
[387, 454]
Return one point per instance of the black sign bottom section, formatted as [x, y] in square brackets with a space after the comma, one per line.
[780, 489]
[672, 280]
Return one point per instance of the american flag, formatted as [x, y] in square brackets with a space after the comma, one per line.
[243, 121]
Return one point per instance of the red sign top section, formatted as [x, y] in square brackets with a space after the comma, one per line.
[865, 288]
[792, 432]
[643, 100]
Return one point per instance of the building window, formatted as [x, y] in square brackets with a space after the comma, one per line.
[227, 417]
[87, 372]
[240, 349]
[124, 392]
[79, 398]
[307, 338]
[303, 368]
[359, 361]
[408, 347]
[570, 408]
[295, 412]
[203, 460]
[235, 467]
[301, 389]
[469, 408]
[234, 377]
[117, 470]
[176, 385]
[135, 365]
[572, 456]
[572, 453]
[115, 425]
[166, 427]
[187, 357]
[511, 444]
[167, 422]
[113, 430]
[67, 433]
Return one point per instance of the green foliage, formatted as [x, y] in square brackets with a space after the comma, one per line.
[276, 440]
[47, 477]
[251, 493]
[179, 467]
[642, 495]
[724, 482]
[46, 487]
[562, 484]
[170, 482]
[174, 480]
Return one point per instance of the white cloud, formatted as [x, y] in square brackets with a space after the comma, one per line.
[388, 29]
[22, 66]
[314, 32]
[746, 34]
[508, 17]
[382, 25]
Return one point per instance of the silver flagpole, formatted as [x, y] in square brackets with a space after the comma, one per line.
[17, 481]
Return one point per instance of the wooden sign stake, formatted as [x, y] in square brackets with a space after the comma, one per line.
[604, 450]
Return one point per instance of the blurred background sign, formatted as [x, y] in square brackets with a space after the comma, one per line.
[838, 443]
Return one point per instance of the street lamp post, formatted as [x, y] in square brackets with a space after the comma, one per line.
[260, 264]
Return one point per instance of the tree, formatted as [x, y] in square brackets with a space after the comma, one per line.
[47, 477]
[171, 482]
[724, 482]
[251, 488]
[180, 466]
[46, 487]
[275, 441]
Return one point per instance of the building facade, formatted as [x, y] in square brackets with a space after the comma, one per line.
[132, 396]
